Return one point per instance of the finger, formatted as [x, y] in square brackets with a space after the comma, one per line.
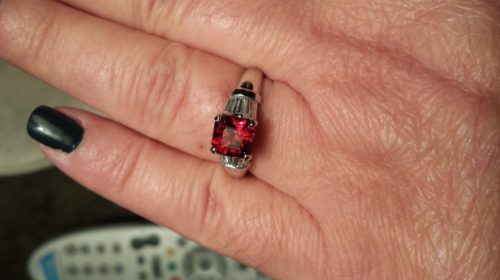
[311, 33]
[144, 81]
[250, 33]
[164, 90]
[244, 218]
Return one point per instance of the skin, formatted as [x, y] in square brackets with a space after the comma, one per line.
[378, 149]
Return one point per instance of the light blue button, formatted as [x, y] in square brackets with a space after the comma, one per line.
[48, 263]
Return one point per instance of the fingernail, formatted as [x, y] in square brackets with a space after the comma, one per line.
[54, 129]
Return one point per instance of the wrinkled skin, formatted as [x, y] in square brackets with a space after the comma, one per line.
[378, 150]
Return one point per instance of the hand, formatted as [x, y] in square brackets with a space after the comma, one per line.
[377, 154]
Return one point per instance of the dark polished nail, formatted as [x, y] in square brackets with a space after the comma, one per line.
[54, 129]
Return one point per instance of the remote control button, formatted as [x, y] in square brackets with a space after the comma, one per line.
[200, 263]
[205, 263]
[136, 243]
[117, 248]
[172, 266]
[72, 270]
[118, 269]
[84, 249]
[152, 240]
[100, 248]
[143, 275]
[171, 252]
[87, 269]
[181, 242]
[104, 269]
[141, 260]
[70, 249]
[157, 267]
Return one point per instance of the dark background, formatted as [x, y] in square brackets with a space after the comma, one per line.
[37, 207]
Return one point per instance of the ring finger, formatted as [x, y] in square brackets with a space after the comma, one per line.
[163, 89]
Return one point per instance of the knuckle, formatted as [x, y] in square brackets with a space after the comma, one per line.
[42, 40]
[124, 167]
[147, 8]
[241, 241]
[151, 11]
[211, 210]
[248, 237]
[156, 89]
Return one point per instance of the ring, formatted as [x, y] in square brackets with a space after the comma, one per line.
[234, 130]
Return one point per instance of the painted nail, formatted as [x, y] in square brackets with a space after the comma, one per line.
[54, 129]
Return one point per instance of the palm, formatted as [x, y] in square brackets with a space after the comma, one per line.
[367, 157]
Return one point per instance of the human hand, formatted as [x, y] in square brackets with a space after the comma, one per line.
[377, 155]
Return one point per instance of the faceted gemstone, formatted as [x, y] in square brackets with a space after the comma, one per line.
[233, 136]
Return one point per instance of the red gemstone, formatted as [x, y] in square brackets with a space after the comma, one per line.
[233, 136]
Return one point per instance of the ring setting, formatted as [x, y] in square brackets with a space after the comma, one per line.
[234, 130]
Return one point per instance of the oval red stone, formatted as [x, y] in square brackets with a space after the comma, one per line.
[233, 136]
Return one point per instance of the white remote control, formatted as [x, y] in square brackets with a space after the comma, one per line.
[139, 252]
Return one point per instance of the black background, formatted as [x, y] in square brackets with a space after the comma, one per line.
[38, 207]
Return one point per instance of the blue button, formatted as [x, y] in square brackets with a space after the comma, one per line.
[48, 264]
